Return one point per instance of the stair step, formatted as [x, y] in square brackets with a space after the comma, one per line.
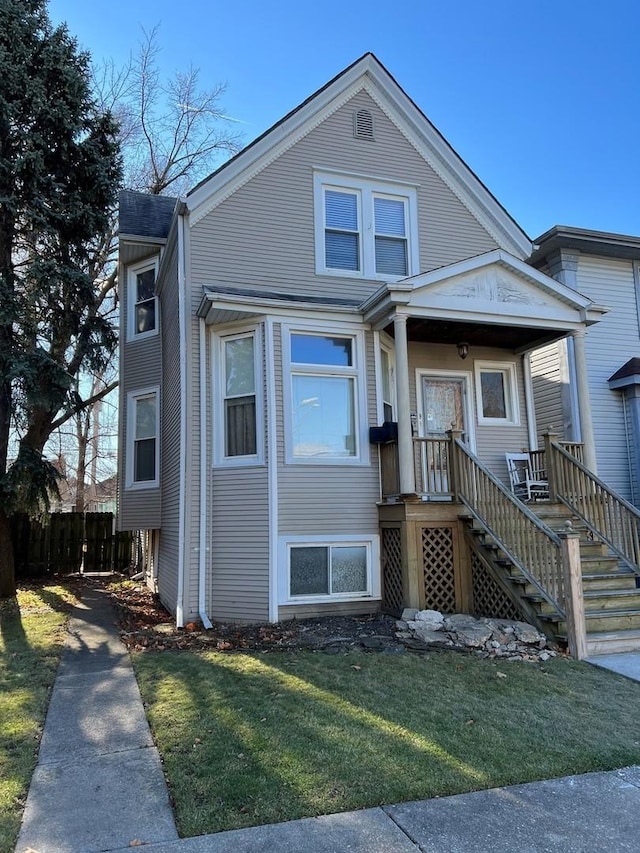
[611, 599]
[613, 642]
[608, 580]
[612, 620]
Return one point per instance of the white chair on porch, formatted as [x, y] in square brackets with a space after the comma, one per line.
[526, 484]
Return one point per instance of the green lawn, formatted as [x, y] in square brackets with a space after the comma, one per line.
[31, 636]
[258, 738]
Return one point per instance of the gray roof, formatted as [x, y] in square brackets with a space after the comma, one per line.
[631, 368]
[145, 215]
[605, 243]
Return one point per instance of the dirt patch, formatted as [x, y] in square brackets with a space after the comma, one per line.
[145, 624]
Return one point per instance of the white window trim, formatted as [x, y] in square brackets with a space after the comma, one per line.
[132, 398]
[372, 545]
[219, 382]
[508, 370]
[132, 272]
[366, 189]
[385, 342]
[360, 403]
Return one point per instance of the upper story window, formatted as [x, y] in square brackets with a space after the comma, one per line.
[237, 405]
[143, 443]
[365, 229]
[142, 301]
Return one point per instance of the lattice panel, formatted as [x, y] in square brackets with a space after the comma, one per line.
[392, 569]
[437, 560]
[488, 598]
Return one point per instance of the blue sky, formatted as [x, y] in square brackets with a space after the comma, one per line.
[539, 97]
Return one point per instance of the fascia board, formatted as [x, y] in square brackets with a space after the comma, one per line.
[276, 141]
[449, 166]
[255, 306]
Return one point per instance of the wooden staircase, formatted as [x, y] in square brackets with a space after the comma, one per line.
[611, 592]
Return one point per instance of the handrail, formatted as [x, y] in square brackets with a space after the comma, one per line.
[608, 515]
[527, 541]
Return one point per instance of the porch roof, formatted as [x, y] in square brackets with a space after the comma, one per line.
[493, 294]
[225, 304]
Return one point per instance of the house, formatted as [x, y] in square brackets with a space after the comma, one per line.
[327, 347]
[606, 269]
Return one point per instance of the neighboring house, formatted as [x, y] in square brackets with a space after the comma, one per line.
[345, 271]
[606, 269]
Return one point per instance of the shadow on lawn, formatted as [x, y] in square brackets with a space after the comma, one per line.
[282, 745]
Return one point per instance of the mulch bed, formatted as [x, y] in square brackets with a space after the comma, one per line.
[145, 624]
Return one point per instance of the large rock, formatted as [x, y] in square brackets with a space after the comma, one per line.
[423, 632]
[526, 633]
[473, 636]
[433, 619]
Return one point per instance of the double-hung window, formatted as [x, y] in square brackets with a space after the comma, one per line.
[142, 301]
[365, 228]
[325, 396]
[143, 435]
[237, 399]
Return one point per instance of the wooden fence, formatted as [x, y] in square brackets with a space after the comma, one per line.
[68, 543]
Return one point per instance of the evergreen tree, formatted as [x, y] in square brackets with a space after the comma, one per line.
[59, 174]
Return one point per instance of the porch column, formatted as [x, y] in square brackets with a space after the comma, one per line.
[584, 403]
[405, 441]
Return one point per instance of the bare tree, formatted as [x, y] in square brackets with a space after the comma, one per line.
[172, 133]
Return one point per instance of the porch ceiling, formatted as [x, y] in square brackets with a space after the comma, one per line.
[514, 338]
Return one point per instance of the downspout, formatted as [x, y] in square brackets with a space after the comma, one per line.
[182, 320]
[202, 563]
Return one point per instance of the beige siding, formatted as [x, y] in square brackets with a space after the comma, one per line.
[263, 235]
[327, 499]
[140, 367]
[240, 544]
[492, 442]
[170, 442]
[334, 608]
[239, 538]
[610, 343]
[548, 378]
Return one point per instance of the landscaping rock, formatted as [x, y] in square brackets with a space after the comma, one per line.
[492, 638]
[433, 619]
[409, 614]
[526, 633]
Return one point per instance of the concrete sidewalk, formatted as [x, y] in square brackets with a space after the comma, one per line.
[99, 785]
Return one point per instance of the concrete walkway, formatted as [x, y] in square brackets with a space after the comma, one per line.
[99, 785]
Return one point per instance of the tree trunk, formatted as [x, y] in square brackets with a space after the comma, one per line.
[7, 568]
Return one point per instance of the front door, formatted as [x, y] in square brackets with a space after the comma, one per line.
[444, 406]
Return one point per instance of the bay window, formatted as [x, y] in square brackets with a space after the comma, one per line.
[324, 395]
[237, 403]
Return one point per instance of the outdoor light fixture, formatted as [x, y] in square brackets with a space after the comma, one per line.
[463, 349]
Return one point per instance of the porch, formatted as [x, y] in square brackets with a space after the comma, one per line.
[463, 542]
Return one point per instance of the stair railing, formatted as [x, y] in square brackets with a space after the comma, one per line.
[526, 540]
[605, 513]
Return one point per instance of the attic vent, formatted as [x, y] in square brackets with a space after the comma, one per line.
[363, 125]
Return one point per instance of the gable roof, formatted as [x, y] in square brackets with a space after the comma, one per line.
[366, 73]
[494, 287]
[145, 215]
